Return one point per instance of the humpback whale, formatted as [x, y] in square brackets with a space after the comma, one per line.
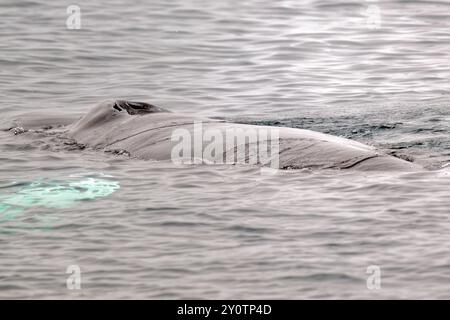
[144, 131]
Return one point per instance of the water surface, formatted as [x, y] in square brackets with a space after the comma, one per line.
[174, 231]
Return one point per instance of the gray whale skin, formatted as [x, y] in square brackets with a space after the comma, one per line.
[144, 131]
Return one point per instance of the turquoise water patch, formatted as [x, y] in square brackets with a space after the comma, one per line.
[55, 195]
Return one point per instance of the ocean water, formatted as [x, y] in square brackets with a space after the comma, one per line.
[372, 71]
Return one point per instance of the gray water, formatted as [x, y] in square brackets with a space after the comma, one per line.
[231, 232]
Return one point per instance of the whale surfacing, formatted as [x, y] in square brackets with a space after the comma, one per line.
[145, 131]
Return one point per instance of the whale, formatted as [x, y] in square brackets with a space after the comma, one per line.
[144, 131]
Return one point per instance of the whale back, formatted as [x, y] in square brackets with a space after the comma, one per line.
[146, 131]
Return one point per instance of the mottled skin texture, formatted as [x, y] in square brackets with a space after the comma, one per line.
[144, 131]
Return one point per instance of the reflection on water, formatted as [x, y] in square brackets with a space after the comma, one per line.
[54, 195]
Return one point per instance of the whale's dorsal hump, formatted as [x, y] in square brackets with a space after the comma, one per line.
[113, 110]
[136, 108]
